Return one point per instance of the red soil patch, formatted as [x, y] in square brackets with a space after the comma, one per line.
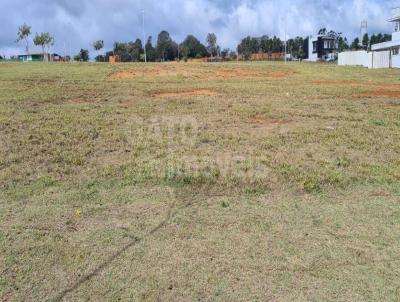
[278, 74]
[381, 93]
[243, 73]
[197, 92]
[261, 120]
[153, 72]
[357, 84]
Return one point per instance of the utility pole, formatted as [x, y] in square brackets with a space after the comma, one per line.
[144, 40]
[285, 43]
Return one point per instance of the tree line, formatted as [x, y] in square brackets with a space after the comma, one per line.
[166, 49]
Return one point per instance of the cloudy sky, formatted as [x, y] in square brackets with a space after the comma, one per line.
[76, 23]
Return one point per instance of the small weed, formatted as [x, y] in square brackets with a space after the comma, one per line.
[224, 204]
[378, 122]
[312, 185]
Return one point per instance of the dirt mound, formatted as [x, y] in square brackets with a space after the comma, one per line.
[381, 93]
[261, 120]
[356, 84]
[197, 92]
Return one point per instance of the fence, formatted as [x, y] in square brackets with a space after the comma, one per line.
[375, 59]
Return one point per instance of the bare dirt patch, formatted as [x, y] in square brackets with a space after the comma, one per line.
[121, 75]
[384, 93]
[261, 120]
[247, 73]
[356, 84]
[151, 72]
[197, 92]
[190, 71]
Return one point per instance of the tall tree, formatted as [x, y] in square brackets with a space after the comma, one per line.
[136, 49]
[265, 44]
[164, 45]
[356, 44]
[212, 46]
[44, 40]
[191, 47]
[150, 50]
[24, 31]
[365, 41]
[244, 48]
[98, 45]
[342, 44]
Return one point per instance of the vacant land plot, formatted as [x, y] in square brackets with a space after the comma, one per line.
[199, 182]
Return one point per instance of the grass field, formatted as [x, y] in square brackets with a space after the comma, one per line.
[195, 182]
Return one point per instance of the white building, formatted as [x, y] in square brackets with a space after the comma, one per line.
[394, 45]
[383, 55]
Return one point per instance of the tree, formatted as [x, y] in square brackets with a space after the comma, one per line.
[356, 44]
[191, 47]
[255, 45]
[24, 31]
[322, 32]
[365, 41]
[44, 40]
[277, 45]
[129, 52]
[82, 56]
[150, 50]
[295, 47]
[225, 53]
[164, 46]
[136, 49]
[244, 48]
[212, 46]
[265, 44]
[98, 45]
[342, 44]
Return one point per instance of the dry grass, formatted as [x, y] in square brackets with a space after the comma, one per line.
[123, 182]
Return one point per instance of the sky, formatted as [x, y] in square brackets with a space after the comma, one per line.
[76, 24]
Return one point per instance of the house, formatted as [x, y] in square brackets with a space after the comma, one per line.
[392, 46]
[38, 57]
[320, 47]
[383, 55]
[32, 57]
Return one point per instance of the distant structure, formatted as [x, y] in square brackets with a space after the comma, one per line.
[394, 45]
[320, 47]
[383, 55]
[39, 57]
[363, 31]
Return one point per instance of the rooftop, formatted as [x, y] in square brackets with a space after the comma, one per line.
[395, 15]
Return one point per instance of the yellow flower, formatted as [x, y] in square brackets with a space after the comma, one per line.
[78, 212]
